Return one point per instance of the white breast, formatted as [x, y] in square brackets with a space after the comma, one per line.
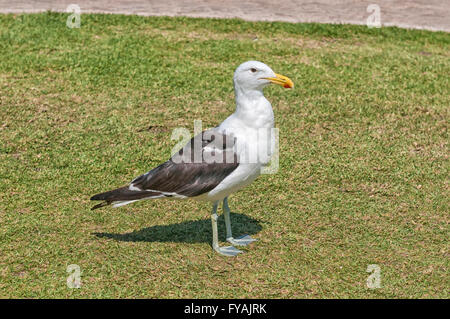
[254, 144]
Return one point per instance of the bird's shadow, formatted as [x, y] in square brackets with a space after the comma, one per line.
[197, 231]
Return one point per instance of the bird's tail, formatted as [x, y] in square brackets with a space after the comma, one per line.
[122, 196]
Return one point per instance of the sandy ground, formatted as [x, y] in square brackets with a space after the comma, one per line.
[418, 14]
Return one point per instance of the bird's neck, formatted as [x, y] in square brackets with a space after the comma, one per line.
[253, 109]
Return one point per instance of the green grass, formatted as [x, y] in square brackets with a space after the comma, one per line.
[363, 178]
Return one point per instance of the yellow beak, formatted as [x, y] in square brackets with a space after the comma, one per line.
[282, 80]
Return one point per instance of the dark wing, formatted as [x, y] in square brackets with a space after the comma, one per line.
[197, 168]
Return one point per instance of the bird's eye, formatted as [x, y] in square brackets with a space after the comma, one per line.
[253, 70]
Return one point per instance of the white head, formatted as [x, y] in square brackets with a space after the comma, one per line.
[255, 76]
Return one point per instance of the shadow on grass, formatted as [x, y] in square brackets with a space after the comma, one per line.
[197, 231]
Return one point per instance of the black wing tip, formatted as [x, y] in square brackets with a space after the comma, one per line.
[97, 197]
[103, 204]
[100, 197]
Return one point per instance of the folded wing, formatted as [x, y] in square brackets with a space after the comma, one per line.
[196, 169]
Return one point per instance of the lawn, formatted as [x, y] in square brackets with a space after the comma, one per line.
[363, 175]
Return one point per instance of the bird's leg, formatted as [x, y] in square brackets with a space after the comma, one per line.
[227, 251]
[226, 214]
[243, 240]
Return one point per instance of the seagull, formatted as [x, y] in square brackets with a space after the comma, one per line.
[219, 161]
